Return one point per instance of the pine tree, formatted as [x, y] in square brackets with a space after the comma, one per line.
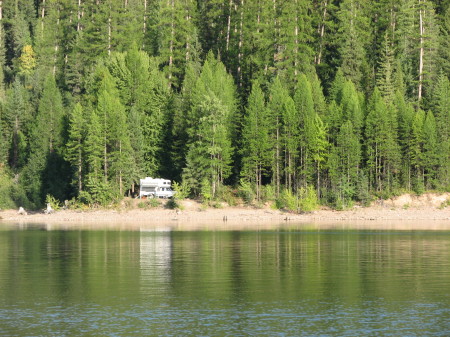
[209, 156]
[417, 155]
[381, 144]
[444, 43]
[49, 35]
[385, 74]
[176, 35]
[214, 81]
[3, 145]
[318, 147]
[417, 45]
[145, 95]
[2, 54]
[256, 146]
[75, 144]
[126, 24]
[344, 162]
[353, 30]
[291, 140]
[17, 119]
[45, 171]
[294, 54]
[93, 38]
[27, 61]
[306, 117]
[107, 105]
[276, 109]
[320, 105]
[212, 23]
[121, 166]
[442, 110]
[351, 106]
[94, 150]
[431, 151]
[324, 17]
[405, 115]
[182, 107]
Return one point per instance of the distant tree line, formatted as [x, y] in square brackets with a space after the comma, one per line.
[347, 100]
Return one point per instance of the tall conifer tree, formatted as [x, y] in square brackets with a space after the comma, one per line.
[257, 149]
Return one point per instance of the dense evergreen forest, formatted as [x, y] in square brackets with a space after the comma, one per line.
[335, 100]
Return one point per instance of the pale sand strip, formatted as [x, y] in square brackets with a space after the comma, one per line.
[236, 218]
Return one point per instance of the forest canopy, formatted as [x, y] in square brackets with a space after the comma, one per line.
[339, 101]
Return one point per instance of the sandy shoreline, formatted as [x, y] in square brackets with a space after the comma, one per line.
[423, 216]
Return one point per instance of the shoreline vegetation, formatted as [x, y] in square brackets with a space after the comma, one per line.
[406, 212]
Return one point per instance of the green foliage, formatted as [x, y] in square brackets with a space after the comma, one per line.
[445, 204]
[173, 204]
[98, 193]
[154, 202]
[206, 191]
[74, 147]
[268, 193]
[149, 203]
[54, 203]
[6, 187]
[246, 192]
[256, 147]
[209, 156]
[288, 201]
[27, 61]
[227, 194]
[182, 190]
[308, 199]
[305, 201]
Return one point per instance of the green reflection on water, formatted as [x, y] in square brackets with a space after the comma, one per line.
[345, 276]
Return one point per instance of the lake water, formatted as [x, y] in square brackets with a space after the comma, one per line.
[277, 282]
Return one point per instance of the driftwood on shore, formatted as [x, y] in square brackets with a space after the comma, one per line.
[22, 211]
[49, 209]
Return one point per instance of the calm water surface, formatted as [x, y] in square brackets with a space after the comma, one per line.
[228, 283]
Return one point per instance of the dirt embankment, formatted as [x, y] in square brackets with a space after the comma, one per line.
[428, 211]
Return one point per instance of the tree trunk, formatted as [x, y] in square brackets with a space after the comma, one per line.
[229, 25]
[55, 56]
[80, 165]
[144, 28]
[1, 27]
[79, 15]
[43, 9]
[321, 31]
[42, 17]
[318, 179]
[188, 44]
[15, 158]
[105, 149]
[421, 54]
[296, 41]
[120, 171]
[171, 3]
[109, 31]
[256, 181]
[241, 38]
[275, 45]
[289, 171]
[277, 163]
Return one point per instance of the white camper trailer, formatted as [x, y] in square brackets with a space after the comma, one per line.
[155, 187]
